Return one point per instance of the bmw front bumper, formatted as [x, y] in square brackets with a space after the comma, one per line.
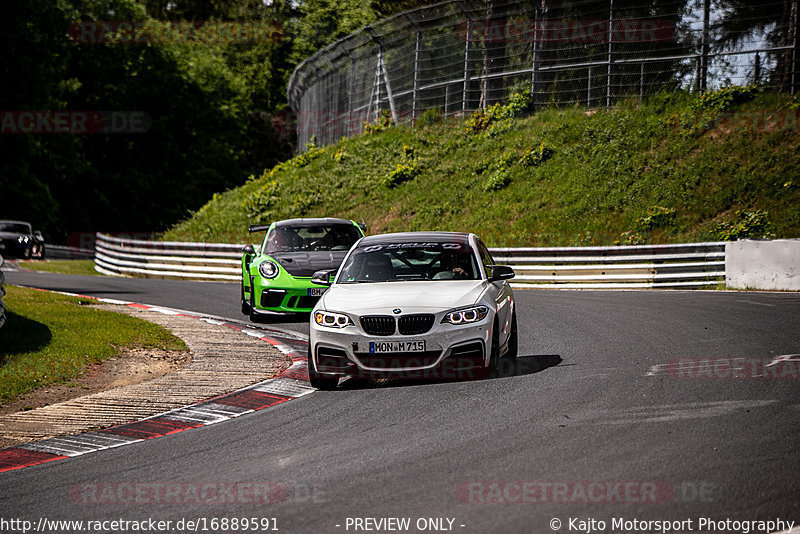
[450, 351]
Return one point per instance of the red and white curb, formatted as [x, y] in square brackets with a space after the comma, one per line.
[290, 384]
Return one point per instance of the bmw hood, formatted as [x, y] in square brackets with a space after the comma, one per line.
[412, 297]
[305, 264]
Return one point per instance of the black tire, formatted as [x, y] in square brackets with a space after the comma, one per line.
[492, 369]
[26, 254]
[513, 339]
[254, 316]
[318, 381]
[245, 304]
[508, 363]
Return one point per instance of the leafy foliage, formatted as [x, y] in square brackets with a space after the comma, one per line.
[537, 156]
[382, 123]
[746, 224]
[657, 217]
[482, 119]
[404, 172]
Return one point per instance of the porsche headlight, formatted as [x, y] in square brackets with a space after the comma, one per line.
[268, 269]
[466, 315]
[331, 319]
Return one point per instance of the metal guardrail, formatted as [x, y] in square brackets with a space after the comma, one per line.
[59, 252]
[684, 266]
[167, 259]
[625, 267]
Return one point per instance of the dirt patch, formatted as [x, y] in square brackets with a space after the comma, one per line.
[131, 366]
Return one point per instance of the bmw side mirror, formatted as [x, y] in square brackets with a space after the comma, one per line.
[324, 278]
[501, 272]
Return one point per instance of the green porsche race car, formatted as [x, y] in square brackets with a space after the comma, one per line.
[277, 276]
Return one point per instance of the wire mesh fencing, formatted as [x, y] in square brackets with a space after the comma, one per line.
[461, 55]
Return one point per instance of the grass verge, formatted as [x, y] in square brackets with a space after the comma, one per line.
[52, 338]
[61, 266]
[667, 170]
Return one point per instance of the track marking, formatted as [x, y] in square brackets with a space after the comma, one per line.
[290, 384]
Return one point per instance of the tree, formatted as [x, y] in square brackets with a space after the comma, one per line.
[775, 21]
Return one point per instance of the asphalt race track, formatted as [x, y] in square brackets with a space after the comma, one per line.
[635, 405]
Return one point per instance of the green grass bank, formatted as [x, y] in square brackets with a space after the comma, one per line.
[673, 168]
[51, 338]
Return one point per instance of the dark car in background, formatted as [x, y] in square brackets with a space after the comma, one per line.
[19, 240]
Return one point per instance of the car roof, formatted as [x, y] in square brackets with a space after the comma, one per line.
[412, 237]
[312, 222]
[15, 222]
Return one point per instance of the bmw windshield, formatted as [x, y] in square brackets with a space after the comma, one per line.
[410, 261]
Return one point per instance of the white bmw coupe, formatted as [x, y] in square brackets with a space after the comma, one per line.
[415, 305]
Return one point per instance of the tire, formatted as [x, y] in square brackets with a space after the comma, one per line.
[245, 304]
[492, 369]
[508, 363]
[513, 339]
[254, 316]
[318, 381]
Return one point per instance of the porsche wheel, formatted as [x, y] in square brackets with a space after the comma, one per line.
[254, 316]
[245, 304]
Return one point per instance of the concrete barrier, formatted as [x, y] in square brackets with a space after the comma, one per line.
[770, 265]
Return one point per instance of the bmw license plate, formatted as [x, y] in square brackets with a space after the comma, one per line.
[316, 291]
[379, 347]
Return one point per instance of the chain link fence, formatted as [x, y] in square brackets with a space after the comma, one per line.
[461, 55]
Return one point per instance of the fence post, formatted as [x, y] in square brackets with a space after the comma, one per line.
[641, 81]
[589, 89]
[795, 52]
[610, 51]
[382, 71]
[417, 53]
[352, 89]
[535, 60]
[702, 78]
[466, 56]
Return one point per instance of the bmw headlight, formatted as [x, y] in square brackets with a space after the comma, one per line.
[331, 319]
[466, 315]
[23, 239]
[268, 269]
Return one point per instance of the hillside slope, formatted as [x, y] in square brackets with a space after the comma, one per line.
[671, 169]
